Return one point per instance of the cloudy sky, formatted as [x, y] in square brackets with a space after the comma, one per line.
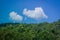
[29, 11]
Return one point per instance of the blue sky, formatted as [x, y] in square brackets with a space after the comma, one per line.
[51, 8]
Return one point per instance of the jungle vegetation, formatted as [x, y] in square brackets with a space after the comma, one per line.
[23, 31]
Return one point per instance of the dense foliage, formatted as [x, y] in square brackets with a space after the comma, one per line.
[42, 31]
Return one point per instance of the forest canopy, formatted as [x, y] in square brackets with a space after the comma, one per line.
[23, 31]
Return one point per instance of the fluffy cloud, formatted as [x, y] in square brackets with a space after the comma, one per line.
[37, 13]
[14, 16]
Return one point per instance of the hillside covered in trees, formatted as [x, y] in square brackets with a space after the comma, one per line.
[23, 31]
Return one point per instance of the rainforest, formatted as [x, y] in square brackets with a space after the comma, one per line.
[23, 31]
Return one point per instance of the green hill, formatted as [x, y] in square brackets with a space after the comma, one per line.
[42, 31]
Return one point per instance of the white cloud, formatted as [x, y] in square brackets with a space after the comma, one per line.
[37, 13]
[14, 16]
